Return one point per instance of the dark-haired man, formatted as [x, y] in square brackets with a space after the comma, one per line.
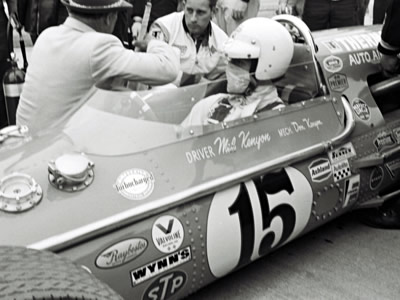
[67, 62]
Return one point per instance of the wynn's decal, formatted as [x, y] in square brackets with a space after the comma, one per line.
[258, 216]
[161, 265]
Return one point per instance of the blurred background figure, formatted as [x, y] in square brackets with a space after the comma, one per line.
[159, 9]
[325, 14]
[5, 51]
[229, 14]
[379, 11]
[37, 15]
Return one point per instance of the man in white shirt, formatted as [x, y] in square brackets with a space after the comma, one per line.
[198, 39]
[69, 60]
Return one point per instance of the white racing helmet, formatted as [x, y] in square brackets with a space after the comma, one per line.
[263, 39]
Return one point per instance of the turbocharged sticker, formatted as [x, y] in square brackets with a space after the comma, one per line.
[343, 152]
[167, 234]
[161, 265]
[121, 253]
[376, 178]
[333, 64]
[320, 170]
[338, 82]
[384, 139]
[361, 109]
[135, 184]
[341, 170]
[351, 189]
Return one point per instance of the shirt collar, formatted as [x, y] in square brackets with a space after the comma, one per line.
[73, 23]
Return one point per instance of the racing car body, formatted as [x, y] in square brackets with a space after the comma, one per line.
[157, 211]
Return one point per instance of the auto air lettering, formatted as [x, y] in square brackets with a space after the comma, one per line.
[364, 57]
[258, 216]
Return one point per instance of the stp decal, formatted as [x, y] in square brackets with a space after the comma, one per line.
[333, 64]
[121, 253]
[135, 184]
[361, 109]
[161, 265]
[167, 234]
[166, 286]
[258, 216]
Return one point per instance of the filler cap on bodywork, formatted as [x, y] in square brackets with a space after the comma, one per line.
[19, 192]
[71, 172]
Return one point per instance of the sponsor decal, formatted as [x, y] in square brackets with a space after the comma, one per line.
[384, 139]
[338, 82]
[341, 170]
[396, 133]
[166, 286]
[393, 167]
[361, 109]
[167, 234]
[376, 178]
[364, 57]
[333, 46]
[344, 152]
[121, 253]
[135, 184]
[353, 43]
[333, 64]
[351, 189]
[320, 170]
[160, 265]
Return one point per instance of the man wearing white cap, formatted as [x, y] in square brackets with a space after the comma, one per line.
[69, 60]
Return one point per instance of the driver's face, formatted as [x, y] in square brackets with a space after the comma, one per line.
[197, 15]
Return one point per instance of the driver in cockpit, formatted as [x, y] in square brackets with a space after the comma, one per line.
[258, 51]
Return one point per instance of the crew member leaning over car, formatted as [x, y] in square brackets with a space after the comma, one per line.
[389, 46]
[198, 38]
[69, 60]
[258, 51]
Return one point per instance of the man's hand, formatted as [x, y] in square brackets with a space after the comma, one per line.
[284, 8]
[390, 65]
[239, 10]
[137, 24]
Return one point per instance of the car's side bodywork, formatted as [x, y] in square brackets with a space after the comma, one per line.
[167, 210]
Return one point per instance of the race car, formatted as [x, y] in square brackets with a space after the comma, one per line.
[124, 202]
